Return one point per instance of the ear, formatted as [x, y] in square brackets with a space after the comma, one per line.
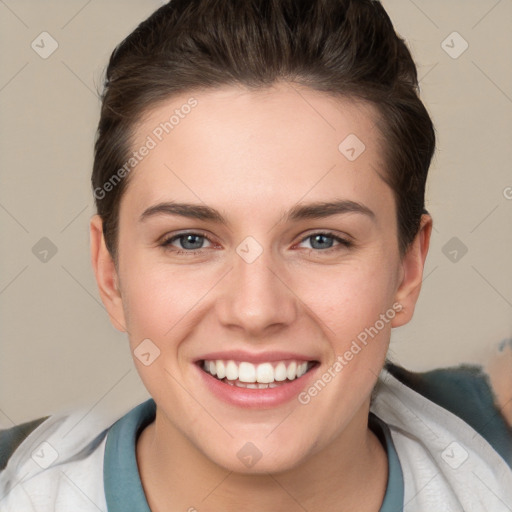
[412, 272]
[106, 275]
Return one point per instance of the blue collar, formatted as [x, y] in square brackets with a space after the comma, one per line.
[123, 488]
[121, 479]
[394, 497]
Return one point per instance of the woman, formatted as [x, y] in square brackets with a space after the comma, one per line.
[259, 178]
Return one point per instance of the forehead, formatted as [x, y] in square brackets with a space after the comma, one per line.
[275, 145]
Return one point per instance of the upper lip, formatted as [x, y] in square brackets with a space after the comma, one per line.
[255, 357]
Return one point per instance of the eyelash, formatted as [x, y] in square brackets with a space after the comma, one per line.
[343, 243]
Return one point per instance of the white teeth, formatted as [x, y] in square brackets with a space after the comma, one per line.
[221, 369]
[231, 370]
[280, 372]
[302, 369]
[246, 372]
[260, 376]
[265, 373]
[291, 372]
[249, 385]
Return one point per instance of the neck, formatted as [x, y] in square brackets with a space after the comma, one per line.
[350, 474]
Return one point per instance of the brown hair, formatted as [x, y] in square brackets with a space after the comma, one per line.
[342, 47]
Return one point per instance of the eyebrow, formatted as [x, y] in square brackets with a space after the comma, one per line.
[315, 210]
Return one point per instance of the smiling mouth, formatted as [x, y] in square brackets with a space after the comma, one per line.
[256, 376]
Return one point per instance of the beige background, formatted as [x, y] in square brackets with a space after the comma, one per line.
[58, 349]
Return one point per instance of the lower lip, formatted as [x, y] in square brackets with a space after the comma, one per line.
[256, 398]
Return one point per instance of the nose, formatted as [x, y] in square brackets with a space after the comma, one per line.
[256, 298]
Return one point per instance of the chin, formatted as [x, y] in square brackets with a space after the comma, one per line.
[259, 456]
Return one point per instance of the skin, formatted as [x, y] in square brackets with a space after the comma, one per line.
[253, 155]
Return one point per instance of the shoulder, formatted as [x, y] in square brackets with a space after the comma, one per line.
[47, 459]
[11, 438]
[35, 445]
[466, 391]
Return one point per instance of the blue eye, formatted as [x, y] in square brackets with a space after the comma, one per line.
[323, 241]
[188, 241]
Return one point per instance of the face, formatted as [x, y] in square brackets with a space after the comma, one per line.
[289, 300]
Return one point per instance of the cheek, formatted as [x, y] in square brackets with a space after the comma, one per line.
[158, 298]
[162, 300]
[349, 298]
[160, 306]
